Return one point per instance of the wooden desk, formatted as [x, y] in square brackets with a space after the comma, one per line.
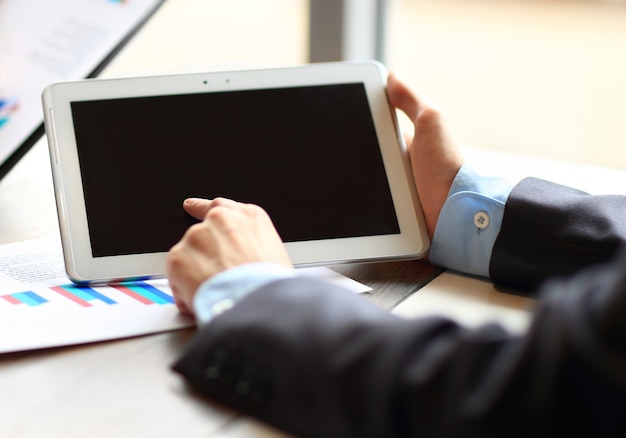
[125, 387]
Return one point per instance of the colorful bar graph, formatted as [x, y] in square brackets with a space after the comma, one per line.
[141, 291]
[70, 292]
[131, 293]
[8, 106]
[87, 296]
[148, 292]
[30, 298]
[11, 299]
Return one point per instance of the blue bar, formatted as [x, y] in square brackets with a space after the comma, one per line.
[146, 294]
[6, 102]
[149, 292]
[34, 296]
[30, 298]
[78, 291]
[88, 294]
[98, 295]
[156, 291]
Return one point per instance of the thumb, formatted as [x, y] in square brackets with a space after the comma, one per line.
[402, 96]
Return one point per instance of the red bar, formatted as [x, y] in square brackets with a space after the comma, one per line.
[131, 293]
[70, 296]
[11, 299]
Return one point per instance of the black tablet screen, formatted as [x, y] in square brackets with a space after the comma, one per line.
[308, 155]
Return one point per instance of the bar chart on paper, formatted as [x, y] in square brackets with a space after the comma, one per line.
[85, 296]
[40, 307]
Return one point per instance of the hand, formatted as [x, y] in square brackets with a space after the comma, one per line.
[435, 158]
[230, 234]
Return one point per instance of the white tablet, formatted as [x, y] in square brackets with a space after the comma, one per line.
[316, 146]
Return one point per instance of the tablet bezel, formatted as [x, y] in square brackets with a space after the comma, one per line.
[411, 243]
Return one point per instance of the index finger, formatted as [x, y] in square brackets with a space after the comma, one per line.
[199, 207]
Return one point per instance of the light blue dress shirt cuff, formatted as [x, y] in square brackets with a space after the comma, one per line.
[469, 222]
[224, 290]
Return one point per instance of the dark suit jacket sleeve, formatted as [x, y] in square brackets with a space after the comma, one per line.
[315, 360]
[550, 230]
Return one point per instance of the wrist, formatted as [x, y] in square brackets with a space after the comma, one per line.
[470, 222]
[223, 290]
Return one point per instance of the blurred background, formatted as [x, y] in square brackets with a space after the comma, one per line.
[538, 77]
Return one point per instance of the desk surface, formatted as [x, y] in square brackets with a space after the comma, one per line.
[125, 387]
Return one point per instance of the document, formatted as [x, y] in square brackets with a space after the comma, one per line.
[44, 41]
[40, 307]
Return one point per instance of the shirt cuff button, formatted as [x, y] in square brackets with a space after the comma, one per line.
[481, 220]
[221, 306]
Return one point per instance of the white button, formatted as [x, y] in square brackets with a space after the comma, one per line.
[481, 220]
[221, 306]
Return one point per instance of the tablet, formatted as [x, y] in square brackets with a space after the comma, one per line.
[317, 146]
